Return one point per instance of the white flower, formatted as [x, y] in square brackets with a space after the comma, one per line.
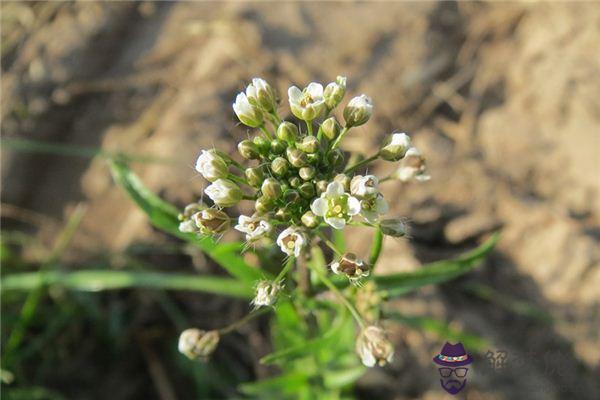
[358, 111]
[254, 228]
[291, 241]
[224, 193]
[266, 293]
[211, 166]
[261, 94]
[373, 347]
[307, 104]
[246, 112]
[351, 266]
[335, 206]
[412, 168]
[364, 186]
[395, 147]
[373, 207]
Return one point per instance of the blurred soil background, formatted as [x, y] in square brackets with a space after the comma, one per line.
[502, 98]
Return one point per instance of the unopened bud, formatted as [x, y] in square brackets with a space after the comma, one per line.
[309, 219]
[247, 113]
[344, 180]
[373, 347]
[307, 190]
[280, 166]
[334, 92]
[309, 144]
[296, 157]
[263, 205]
[321, 186]
[330, 128]
[262, 144]
[358, 111]
[211, 166]
[212, 221]
[307, 173]
[393, 227]
[287, 132]
[395, 146]
[295, 182]
[187, 223]
[198, 344]
[224, 193]
[266, 293]
[248, 150]
[283, 214]
[278, 146]
[271, 189]
[254, 176]
[291, 196]
[261, 94]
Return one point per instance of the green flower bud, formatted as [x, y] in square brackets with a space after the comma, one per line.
[261, 94]
[248, 150]
[330, 128]
[262, 144]
[287, 132]
[344, 180]
[263, 205]
[394, 147]
[296, 157]
[393, 227]
[291, 196]
[280, 166]
[307, 173]
[271, 189]
[283, 214]
[255, 176]
[211, 221]
[313, 158]
[334, 92]
[321, 186]
[307, 190]
[309, 144]
[358, 111]
[336, 158]
[310, 220]
[295, 182]
[278, 146]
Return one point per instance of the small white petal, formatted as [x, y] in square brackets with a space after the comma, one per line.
[334, 189]
[368, 359]
[315, 90]
[353, 205]
[337, 223]
[294, 94]
[381, 206]
[319, 206]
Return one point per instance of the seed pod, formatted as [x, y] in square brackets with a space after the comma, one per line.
[278, 146]
[287, 132]
[262, 144]
[310, 220]
[358, 111]
[309, 144]
[330, 128]
[248, 150]
[307, 173]
[198, 344]
[263, 205]
[344, 180]
[321, 186]
[296, 157]
[254, 176]
[307, 190]
[280, 166]
[271, 189]
[295, 182]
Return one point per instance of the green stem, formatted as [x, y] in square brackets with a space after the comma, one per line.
[230, 160]
[237, 179]
[276, 118]
[329, 243]
[338, 139]
[246, 197]
[361, 163]
[286, 268]
[339, 294]
[266, 132]
[376, 248]
[309, 127]
[244, 320]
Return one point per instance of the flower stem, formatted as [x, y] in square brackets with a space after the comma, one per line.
[266, 132]
[244, 320]
[309, 127]
[376, 248]
[237, 179]
[276, 118]
[231, 160]
[329, 243]
[339, 294]
[286, 268]
[246, 197]
[361, 163]
[338, 139]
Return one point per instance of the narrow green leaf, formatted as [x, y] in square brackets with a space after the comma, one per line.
[98, 280]
[287, 383]
[437, 272]
[164, 216]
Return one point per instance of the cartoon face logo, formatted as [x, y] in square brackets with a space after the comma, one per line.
[453, 373]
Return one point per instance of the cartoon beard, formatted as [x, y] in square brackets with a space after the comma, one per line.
[453, 386]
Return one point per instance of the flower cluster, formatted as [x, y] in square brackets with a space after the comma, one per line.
[298, 179]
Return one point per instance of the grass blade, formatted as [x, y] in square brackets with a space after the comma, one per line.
[437, 272]
[99, 280]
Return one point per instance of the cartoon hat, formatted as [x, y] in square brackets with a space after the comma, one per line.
[453, 355]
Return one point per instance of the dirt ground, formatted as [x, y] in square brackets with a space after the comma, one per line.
[502, 98]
